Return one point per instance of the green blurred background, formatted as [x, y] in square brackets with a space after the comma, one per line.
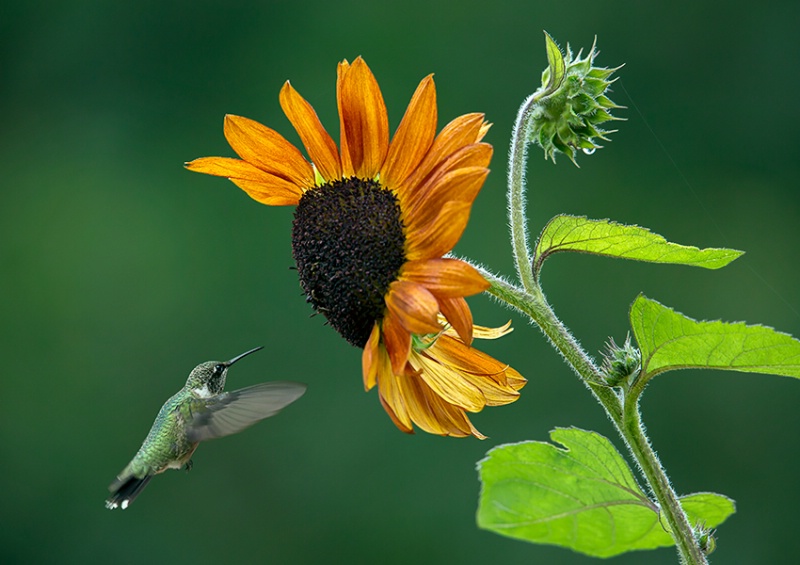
[121, 271]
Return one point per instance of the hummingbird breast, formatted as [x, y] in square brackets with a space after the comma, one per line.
[167, 445]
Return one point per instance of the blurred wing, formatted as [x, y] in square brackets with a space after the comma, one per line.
[231, 412]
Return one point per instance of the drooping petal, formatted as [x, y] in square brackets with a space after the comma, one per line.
[413, 306]
[453, 353]
[391, 394]
[445, 277]
[460, 185]
[515, 379]
[482, 332]
[401, 425]
[364, 120]
[277, 192]
[458, 314]
[413, 137]
[440, 235]
[492, 392]
[370, 361]
[319, 144]
[448, 384]
[268, 150]
[397, 341]
[434, 415]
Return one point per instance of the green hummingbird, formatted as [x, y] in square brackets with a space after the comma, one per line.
[197, 412]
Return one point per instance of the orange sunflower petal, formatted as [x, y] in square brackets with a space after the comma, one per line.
[413, 137]
[262, 187]
[397, 341]
[482, 332]
[462, 131]
[370, 358]
[414, 307]
[365, 124]
[452, 352]
[344, 152]
[459, 316]
[494, 393]
[319, 144]
[276, 192]
[434, 187]
[445, 277]
[391, 394]
[401, 425]
[469, 390]
[515, 379]
[448, 384]
[268, 150]
[440, 235]
[433, 414]
[460, 185]
[462, 361]
[229, 168]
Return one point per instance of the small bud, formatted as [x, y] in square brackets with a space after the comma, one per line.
[705, 539]
[573, 104]
[621, 364]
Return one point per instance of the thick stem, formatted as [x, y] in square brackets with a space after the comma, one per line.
[681, 529]
[625, 417]
[535, 306]
[531, 301]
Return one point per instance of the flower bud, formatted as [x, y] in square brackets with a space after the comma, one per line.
[572, 104]
[621, 365]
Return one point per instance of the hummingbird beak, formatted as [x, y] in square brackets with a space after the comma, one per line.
[245, 354]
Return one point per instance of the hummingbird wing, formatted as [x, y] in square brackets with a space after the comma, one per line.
[231, 412]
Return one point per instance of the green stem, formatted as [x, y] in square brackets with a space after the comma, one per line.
[625, 416]
[516, 193]
[680, 528]
[531, 301]
[535, 306]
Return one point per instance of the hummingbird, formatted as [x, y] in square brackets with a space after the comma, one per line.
[198, 412]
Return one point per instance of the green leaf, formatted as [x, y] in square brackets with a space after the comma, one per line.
[610, 239]
[583, 497]
[556, 64]
[669, 340]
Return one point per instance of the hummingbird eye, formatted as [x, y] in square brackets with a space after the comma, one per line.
[218, 369]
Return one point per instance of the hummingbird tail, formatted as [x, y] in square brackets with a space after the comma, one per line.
[124, 492]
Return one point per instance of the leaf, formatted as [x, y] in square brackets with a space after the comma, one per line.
[669, 340]
[604, 237]
[707, 509]
[556, 64]
[583, 497]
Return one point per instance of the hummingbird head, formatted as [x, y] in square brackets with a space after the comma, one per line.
[208, 379]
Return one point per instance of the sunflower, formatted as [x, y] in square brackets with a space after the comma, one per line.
[372, 223]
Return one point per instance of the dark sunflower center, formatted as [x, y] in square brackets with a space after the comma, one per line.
[348, 243]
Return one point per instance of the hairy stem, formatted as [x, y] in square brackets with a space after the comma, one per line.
[639, 445]
[626, 417]
[535, 306]
[516, 193]
[531, 301]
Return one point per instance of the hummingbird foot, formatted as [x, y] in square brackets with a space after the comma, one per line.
[189, 465]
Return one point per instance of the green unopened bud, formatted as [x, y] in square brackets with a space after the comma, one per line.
[621, 365]
[572, 104]
[705, 539]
